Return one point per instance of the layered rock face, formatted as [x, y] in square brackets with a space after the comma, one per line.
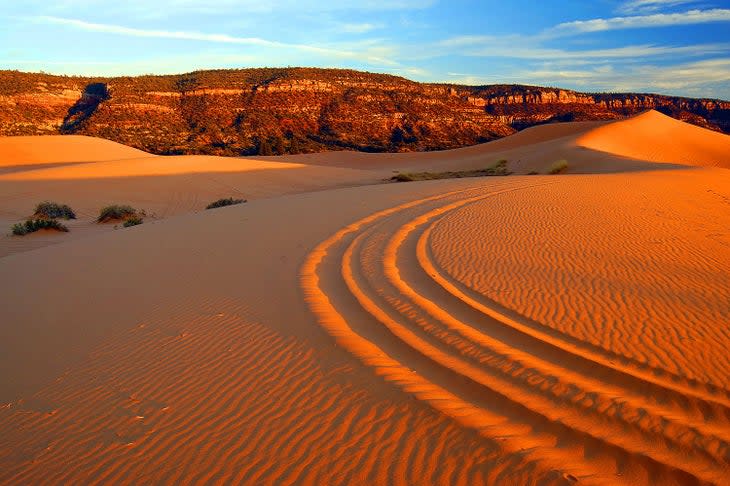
[295, 110]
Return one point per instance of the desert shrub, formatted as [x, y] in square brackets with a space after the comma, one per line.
[498, 168]
[33, 225]
[116, 212]
[132, 221]
[228, 201]
[401, 177]
[533, 172]
[52, 210]
[558, 167]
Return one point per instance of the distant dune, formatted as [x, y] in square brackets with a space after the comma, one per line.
[542, 329]
[655, 137]
[637, 143]
[57, 149]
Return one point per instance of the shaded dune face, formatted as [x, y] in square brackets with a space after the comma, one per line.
[590, 403]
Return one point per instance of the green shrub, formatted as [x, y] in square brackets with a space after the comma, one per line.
[116, 212]
[558, 167]
[52, 210]
[133, 221]
[229, 201]
[498, 168]
[33, 225]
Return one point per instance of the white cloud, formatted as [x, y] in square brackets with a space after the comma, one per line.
[706, 77]
[624, 52]
[647, 6]
[642, 21]
[370, 53]
[220, 7]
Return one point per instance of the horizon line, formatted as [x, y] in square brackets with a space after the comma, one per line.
[442, 83]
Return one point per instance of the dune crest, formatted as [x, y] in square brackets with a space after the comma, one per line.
[655, 137]
[58, 149]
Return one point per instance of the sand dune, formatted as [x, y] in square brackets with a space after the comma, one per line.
[634, 144]
[655, 137]
[629, 388]
[503, 330]
[162, 186]
[57, 149]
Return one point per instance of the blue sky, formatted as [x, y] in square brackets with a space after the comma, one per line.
[667, 46]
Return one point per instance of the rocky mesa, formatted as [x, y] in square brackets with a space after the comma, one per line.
[298, 110]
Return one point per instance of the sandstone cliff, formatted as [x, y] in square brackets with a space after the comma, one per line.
[293, 110]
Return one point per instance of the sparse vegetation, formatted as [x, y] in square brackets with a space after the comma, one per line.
[33, 225]
[499, 168]
[116, 212]
[407, 177]
[558, 167]
[533, 172]
[228, 201]
[52, 210]
[133, 221]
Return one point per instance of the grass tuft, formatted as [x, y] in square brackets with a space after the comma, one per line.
[558, 167]
[52, 210]
[132, 221]
[116, 212]
[499, 168]
[228, 201]
[33, 225]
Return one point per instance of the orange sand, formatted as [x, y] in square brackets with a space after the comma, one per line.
[509, 330]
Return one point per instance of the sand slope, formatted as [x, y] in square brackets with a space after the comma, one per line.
[162, 186]
[507, 330]
[60, 149]
[655, 137]
[634, 144]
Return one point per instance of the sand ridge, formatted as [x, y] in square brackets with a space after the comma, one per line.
[59, 149]
[655, 137]
[433, 337]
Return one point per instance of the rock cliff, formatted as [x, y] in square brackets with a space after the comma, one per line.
[294, 110]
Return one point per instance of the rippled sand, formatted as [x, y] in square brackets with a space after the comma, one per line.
[503, 330]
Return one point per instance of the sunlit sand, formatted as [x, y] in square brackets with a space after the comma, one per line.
[338, 329]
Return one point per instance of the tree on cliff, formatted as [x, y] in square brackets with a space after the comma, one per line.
[263, 147]
[186, 84]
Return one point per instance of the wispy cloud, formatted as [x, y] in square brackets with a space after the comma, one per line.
[360, 28]
[636, 51]
[647, 6]
[702, 78]
[369, 53]
[642, 21]
[222, 7]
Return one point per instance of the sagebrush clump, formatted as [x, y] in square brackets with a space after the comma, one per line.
[558, 167]
[116, 212]
[33, 225]
[52, 210]
[228, 201]
[499, 168]
[132, 221]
